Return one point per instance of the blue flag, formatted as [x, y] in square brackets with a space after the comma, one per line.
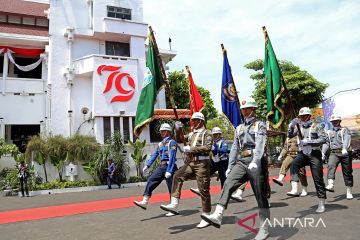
[229, 97]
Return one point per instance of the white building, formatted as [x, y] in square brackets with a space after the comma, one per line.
[90, 73]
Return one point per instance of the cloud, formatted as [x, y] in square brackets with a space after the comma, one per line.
[320, 36]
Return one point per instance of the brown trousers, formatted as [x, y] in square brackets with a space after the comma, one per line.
[286, 165]
[201, 170]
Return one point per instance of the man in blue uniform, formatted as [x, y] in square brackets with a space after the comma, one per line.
[166, 152]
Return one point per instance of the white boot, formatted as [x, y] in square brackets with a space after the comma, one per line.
[263, 232]
[237, 195]
[172, 207]
[195, 190]
[170, 214]
[321, 206]
[330, 186]
[216, 217]
[279, 180]
[349, 195]
[143, 203]
[303, 192]
[203, 223]
[294, 189]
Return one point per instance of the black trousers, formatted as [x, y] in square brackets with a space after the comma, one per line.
[24, 184]
[221, 168]
[316, 167]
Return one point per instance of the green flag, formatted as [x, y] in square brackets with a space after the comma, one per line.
[153, 82]
[274, 88]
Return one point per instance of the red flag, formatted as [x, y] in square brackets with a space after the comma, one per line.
[196, 103]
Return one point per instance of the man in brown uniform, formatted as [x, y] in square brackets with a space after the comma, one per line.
[289, 152]
[197, 164]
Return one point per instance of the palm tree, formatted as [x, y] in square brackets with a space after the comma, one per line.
[138, 156]
[37, 150]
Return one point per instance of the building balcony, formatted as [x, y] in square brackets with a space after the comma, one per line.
[88, 64]
[121, 27]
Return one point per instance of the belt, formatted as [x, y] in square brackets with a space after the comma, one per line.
[336, 151]
[246, 153]
[163, 163]
[200, 158]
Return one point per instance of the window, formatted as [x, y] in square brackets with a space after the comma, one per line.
[154, 131]
[133, 126]
[28, 21]
[3, 18]
[20, 134]
[116, 124]
[118, 12]
[42, 22]
[14, 19]
[117, 49]
[126, 129]
[1, 64]
[23, 61]
[107, 128]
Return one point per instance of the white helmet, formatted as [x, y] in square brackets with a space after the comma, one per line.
[165, 127]
[198, 115]
[247, 103]
[335, 118]
[304, 111]
[216, 130]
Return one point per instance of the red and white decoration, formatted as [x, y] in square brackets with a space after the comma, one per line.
[9, 51]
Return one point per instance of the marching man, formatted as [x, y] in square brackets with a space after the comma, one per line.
[197, 164]
[309, 154]
[220, 159]
[288, 153]
[167, 154]
[249, 144]
[339, 143]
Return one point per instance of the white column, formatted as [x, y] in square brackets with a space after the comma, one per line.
[5, 71]
[131, 129]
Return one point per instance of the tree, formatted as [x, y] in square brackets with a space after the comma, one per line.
[58, 152]
[180, 89]
[8, 148]
[227, 130]
[138, 155]
[303, 88]
[36, 149]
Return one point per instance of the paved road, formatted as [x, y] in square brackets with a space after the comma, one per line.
[341, 218]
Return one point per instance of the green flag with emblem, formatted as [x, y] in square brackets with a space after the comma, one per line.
[153, 82]
[274, 87]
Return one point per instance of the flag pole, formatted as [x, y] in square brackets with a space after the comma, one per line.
[237, 97]
[292, 109]
[166, 81]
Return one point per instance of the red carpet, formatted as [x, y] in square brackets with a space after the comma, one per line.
[96, 206]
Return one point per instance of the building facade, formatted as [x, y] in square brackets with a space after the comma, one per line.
[72, 67]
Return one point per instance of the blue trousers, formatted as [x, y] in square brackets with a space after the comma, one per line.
[156, 178]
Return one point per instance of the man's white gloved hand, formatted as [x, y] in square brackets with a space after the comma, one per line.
[323, 156]
[280, 158]
[167, 174]
[344, 151]
[145, 168]
[178, 125]
[227, 172]
[212, 148]
[186, 149]
[252, 166]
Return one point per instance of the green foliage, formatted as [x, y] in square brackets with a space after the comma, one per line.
[11, 149]
[134, 179]
[57, 184]
[37, 149]
[82, 148]
[138, 155]
[179, 85]
[58, 152]
[303, 88]
[223, 123]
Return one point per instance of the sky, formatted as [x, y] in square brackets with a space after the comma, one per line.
[320, 36]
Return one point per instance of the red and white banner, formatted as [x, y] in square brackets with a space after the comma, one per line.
[8, 51]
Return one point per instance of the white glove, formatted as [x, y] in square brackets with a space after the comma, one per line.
[167, 174]
[280, 158]
[212, 148]
[344, 151]
[252, 165]
[145, 168]
[178, 125]
[303, 142]
[323, 157]
[227, 172]
[294, 122]
[186, 149]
